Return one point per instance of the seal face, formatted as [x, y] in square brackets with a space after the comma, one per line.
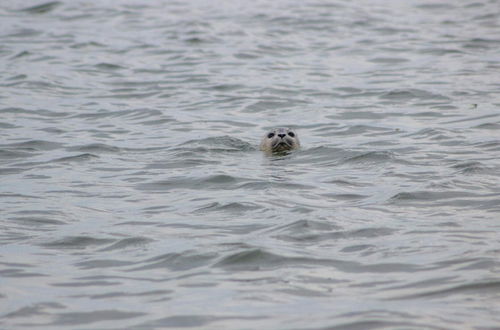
[280, 139]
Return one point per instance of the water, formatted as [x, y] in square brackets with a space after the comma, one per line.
[133, 194]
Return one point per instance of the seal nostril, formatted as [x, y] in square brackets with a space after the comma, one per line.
[281, 135]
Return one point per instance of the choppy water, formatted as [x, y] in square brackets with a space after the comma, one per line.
[133, 194]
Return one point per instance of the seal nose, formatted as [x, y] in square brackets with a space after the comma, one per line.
[281, 135]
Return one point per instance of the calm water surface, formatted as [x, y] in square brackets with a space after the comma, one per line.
[133, 194]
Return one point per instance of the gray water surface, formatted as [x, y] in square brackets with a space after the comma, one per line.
[133, 194]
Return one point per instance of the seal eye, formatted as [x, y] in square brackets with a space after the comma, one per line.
[292, 134]
[270, 135]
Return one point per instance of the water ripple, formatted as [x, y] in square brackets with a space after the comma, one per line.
[133, 193]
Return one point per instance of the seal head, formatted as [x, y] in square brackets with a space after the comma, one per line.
[280, 139]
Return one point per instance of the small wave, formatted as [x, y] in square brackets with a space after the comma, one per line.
[224, 87]
[38, 112]
[42, 8]
[323, 155]
[432, 133]
[305, 230]
[412, 94]
[371, 157]
[435, 6]
[341, 182]
[86, 318]
[132, 114]
[192, 321]
[127, 243]
[34, 145]
[219, 181]
[218, 144]
[474, 118]
[469, 167]
[305, 225]
[272, 105]
[176, 261]
[8, 195]
[108, 66]
[346, 197]
[234, 207]
[388, 60]
[479, 288]
[247, 55]
[440, 51]
[315, 231]
[34, 221]
[252, 259]
[116, 294]
[9, 154]
[24, 53]
[492, 126]
[89, 44]
[103, 263]
[359, 130]
[184, 163]
[11, 170]
[358, 247]
[262, 185]
[350, 113]
[96, 148]
[490, 146]
[76, 158]
[34, 309]
[77, 242]
[481, 43]
[426, 196]
[7, 125]
[132, 94]
[24, 33]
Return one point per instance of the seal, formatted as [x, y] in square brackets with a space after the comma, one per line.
[280, 139]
